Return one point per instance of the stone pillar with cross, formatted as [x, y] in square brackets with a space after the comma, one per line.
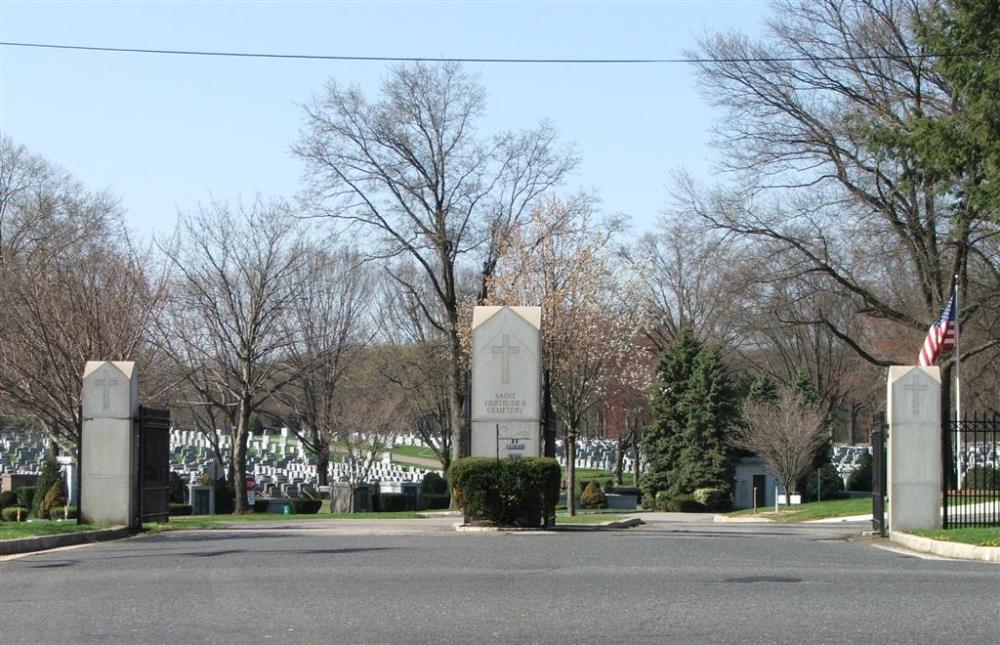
[913, 412]
[108, 449]
[506, 381]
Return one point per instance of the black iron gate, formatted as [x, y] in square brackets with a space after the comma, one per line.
[878, 473]
[154, 466]
[971, 484]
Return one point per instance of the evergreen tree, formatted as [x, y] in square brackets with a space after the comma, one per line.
[49, 476]
[663, 440]
[763, 388]
[711, 408]
[804, 388]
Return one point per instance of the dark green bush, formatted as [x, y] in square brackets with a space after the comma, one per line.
[593, 496]
[260, 505]
[25, 496]
[431, 502]
[861, 478]
[830, 484]
[9, 514]
[56, 496]
[714, 499]
[982, 478]
[661, 501]
[8, 498]
[433, 484]
[684, 504]
[176, 488]
[62, 512]
[392, 502]
[509, 492]
[179, 509]
[306, 506]
[225, 497]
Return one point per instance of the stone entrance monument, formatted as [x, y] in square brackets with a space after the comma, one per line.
[109, 450]
[506, 381]
[914, 473]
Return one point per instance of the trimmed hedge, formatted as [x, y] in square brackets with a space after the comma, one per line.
[509, 492]
[306, 506]
[661, 501]
[432, 502]
[434, 484]
[684, 504]
[180, 509]
[60, 512]
[9, 514]
[8, 498]
[392, 502]
[714, 499]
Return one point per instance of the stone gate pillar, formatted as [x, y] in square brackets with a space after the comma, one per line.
[108, 456]
[913, 409]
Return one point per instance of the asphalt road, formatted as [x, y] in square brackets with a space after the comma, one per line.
[677, 579]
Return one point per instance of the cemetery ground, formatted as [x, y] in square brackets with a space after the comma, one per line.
[678, 578]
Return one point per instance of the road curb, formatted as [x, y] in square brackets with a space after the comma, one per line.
[619, 524]
[944, 549]
[46, 542]
[724, 519]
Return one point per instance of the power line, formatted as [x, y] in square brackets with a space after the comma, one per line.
[518, 61]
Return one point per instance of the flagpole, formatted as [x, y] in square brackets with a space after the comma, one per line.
[960, 449]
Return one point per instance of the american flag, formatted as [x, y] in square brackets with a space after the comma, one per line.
[940, 336]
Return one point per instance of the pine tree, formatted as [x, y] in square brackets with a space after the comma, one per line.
[49, 476]
[763, 388]
[711, 407]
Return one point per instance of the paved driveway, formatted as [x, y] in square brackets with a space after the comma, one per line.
[677, 579]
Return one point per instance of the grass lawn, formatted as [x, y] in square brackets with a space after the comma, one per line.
[593, 473]
[41, 528]
[978, 536]
[414, 451]
[177, 523]
[813, 510]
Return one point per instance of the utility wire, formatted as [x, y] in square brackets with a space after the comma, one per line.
[521, 61]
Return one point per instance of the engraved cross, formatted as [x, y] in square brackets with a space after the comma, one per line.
[106, 383]
[504, 350]
[915, 396]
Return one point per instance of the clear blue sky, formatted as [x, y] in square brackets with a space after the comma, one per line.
[168, 132]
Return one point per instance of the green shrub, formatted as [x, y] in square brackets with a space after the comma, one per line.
[61, 512]
[260, 505]
[179, 509]
[25, 496]
[225, 497]
[684, 504]
[10, 513]
[714, 499]
[830, 484]
[861, 478]
[509, 492]
[661, 501]
[982, 478]
[8, 498]
[392, 502]
[43, 487]
[306, 506]
[433, 484]
[593, 496]
[175, 488]
[431, 502]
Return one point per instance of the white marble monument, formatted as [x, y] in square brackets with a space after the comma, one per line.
[109, 459]
[506, 381]
[913, 409]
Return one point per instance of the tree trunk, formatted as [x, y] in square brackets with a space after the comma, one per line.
[619, 461]
[635, 459]
[571, 473]
[456, 385]
[322, 463]
[240, 457]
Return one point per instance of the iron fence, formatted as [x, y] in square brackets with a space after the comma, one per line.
[971, 490]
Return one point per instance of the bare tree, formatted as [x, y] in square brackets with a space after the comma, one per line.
[74, 290]
[329, 323]
[809, 134]
[411, 172]
[784, 433]
[233, 284]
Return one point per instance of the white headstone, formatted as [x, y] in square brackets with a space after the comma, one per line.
[506, 381]
[914, 473]
[108, 462]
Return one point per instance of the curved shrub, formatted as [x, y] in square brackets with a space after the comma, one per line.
[509, 492]
[306, 506]
[433, 484]
[714, 499]
[179, 509]
[8, 498]
[684, 504]
[432, 502]
[662, 501]
[62, 512]
[25, 496]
